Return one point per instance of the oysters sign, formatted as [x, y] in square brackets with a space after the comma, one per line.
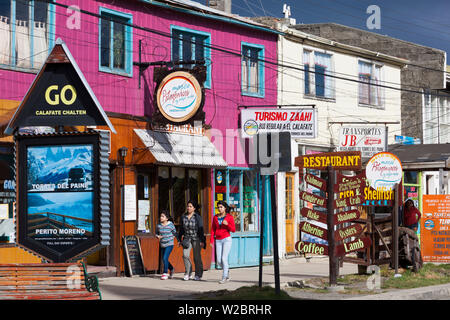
[179, 96]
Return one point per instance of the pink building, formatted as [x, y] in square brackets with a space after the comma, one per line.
[117, 47]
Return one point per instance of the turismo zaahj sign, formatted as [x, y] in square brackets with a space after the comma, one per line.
[301, 123]
[60, 174]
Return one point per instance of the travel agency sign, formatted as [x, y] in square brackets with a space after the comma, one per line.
[301, 123]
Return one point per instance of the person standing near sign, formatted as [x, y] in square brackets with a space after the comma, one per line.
[411, 215]
[222, 225]
[192, 236]
[166, 232]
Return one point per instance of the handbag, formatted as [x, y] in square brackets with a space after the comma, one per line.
[185, 242]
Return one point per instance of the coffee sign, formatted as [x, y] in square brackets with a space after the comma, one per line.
[179, 96]
[310, 247]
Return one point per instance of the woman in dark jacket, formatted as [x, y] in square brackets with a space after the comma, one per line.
[191, 229]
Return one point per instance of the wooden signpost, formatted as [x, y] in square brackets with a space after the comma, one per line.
[349, 193]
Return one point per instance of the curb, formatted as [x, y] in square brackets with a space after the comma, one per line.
[423, 293]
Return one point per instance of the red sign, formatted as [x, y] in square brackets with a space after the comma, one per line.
[305, 196]
[348, 202]
[351, 231]
[316, 182]
[314, 230]
[346, 216]
[310, 247]
[314, 215]
[357, 245]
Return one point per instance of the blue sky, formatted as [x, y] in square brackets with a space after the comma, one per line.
[419, 21]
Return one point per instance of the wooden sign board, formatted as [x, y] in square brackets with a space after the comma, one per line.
[346, 216]
[134, 256]
[312, 198]
[314, 215]
[345, 183]
[350, 160]
[310, 247]
[314, 230]
[351, 231]
[357, 245]
[316, 182]
[348, 202]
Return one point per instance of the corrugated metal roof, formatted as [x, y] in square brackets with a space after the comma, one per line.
[181, 149]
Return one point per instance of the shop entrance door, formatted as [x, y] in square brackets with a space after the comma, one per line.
[290, 230]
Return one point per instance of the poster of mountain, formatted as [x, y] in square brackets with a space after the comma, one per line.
[60, 194]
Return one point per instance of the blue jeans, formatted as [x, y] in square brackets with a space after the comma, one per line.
[223, 248]
[165, 253]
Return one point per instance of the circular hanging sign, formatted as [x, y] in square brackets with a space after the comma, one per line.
[384, 170]
[179, 96]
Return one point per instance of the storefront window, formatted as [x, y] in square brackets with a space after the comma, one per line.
[194, 182]
[410, 177]
[164, 187]
[144, 216]
[7, 195]
[234, 198]
[250, 196]
[240, 192]
[179, 192]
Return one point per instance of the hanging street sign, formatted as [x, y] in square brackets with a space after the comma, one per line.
[367, 139]
[313, 230]
[316, 181]
[350, 160]
[344, 183]
[312, 198]
[346, 216]
[356, 245]
[351, 231]
[310, 247]
[314, 215]
[348, 202]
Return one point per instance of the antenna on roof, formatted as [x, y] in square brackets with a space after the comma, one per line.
[287, 14]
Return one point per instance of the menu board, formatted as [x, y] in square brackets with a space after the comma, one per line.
[134, 256]
[435, 228]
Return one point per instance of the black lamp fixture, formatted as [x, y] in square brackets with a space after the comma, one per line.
[123, 152]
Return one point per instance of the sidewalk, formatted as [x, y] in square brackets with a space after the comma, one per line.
[293, 270]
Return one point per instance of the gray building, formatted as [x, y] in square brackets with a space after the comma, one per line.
[425, 104]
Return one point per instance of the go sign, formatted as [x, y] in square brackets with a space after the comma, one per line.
[63, 94]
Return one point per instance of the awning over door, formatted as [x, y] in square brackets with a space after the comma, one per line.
[181, 149]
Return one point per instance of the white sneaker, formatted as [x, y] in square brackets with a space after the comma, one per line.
[192, 277]
[164, 276]
[186, 277]
[223, 281]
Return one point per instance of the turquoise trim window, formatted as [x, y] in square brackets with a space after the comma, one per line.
[252, 70]
[27, 34]
[115, 42]
[190, 45]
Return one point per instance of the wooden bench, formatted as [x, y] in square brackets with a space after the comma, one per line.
[47, 281]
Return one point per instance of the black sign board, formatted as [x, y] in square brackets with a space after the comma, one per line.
[134, 256]
[59, 96]
[59, 194]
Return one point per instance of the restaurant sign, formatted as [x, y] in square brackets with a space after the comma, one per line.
[337, 160]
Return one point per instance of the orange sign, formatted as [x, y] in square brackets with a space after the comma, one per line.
[435, 228]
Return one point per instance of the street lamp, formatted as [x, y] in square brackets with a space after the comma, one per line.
[123, 153]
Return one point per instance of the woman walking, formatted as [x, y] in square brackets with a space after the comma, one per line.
[165, 232]
[222, 225]
[192, 236]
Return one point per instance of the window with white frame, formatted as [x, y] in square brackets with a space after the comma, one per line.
[252, 70]
[192, 45]
[436, 117]
[25, 33]
[318, 80]
[370, 91]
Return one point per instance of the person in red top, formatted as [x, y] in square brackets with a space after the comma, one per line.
[411, 215]
[222, 225]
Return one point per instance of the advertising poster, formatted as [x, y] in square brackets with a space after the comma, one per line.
[301, 123]
[369, 140]
[435, 228]
[60, 204]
